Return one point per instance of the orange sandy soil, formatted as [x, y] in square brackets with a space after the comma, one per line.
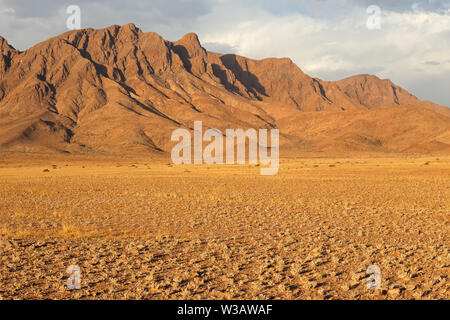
[144, 229]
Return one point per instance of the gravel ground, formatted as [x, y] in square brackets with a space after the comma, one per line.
[140, 231]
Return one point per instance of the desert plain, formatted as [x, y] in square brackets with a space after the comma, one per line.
[143, 228]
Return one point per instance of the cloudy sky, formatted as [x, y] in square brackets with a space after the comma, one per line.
[329, 39]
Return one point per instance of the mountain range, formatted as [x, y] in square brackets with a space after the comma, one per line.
[119, 90]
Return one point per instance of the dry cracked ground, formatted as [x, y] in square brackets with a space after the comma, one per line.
[149, 230]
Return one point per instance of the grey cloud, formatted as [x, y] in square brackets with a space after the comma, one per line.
[31, 9]
[219, 47]
[406, 5]
[433, 88]
[27, 22]
[175, 8]
[339, 9]
[340, 74]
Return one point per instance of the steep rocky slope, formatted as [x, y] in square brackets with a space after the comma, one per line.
[119, 90]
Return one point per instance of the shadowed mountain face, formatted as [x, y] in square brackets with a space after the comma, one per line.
[119, 90]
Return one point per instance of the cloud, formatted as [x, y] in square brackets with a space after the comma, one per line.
[8, 11]
[340, 46]
[223, 48]
[25, 22]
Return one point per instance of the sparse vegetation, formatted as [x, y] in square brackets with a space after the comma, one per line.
[225, 232]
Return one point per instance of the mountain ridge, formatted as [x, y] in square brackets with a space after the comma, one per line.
[120, 90]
